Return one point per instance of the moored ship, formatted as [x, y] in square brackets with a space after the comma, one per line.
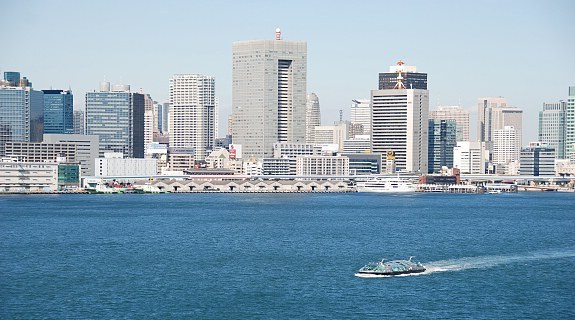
[391, 268]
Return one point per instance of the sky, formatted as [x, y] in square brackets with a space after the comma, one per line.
[521, 50]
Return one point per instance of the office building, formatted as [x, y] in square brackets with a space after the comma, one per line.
[87, 149]
[192, 122]
[79, 122]
[570, 125]
[363, 164]
[411, 79]
[40, 152]
[268, 94]
[312, 117]
[399, 123]
[361, 115]
[358, 144]
[113, 164]
[117, 116]
[279, 166]
[471, 157]
[334, 134]
[552, 124]
[322, 166]
[442, 141]
[457, 114]
[21, 111]
[494, 114]
[538, 159]
[164, 117]
[294, 150]
[505, 146]
[58, 111]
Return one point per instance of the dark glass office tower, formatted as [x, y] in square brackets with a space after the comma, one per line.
[411, 80]
[58, 111]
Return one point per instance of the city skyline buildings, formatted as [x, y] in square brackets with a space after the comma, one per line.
[476, 66]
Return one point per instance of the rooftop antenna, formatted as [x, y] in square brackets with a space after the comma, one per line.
[278, 34]
[399, 84]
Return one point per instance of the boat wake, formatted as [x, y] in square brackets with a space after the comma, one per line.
[481, 262]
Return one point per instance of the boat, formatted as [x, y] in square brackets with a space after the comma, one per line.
[391, 268]
[386, 184]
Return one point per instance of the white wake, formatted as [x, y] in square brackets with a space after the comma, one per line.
[482, 262]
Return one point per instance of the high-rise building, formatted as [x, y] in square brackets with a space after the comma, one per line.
[58, 111]
[192, 122]
[399, 119]
[268, 94]
[79, 122]
[312, 116]
[117, 116]
[552, 127]
[442, 141]
[361, 114]
[570, 125]
[494, 114]
[505, 147]
[411, 79]
[456, 113]
[335, 134]
[164, 116]
[21, 111]
[149, 125]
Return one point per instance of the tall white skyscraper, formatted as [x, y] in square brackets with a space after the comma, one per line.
[456, 113]
[570, 125]
[149, 126]
[505, 147]
[361, 114]
[399, 120]
[192, 103]
[552, 127]
[268, 94]
[312, 116]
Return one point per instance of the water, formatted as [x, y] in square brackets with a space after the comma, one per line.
[230, 256]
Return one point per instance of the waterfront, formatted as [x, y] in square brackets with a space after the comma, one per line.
[286, 255]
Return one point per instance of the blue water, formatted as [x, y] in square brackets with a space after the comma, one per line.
[285, 256]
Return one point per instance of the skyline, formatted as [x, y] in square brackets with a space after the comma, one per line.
[348, 46]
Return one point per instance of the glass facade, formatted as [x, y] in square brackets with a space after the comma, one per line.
[21, 115]
[442, 141]
[12, 77]
[412, 80]
[108, 115]
[58, 111]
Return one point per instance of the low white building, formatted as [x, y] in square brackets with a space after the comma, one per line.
[114, 165]
[471, 157]
[322, 165]
[28, 176]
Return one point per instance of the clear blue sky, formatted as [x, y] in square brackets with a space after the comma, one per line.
[522, 50]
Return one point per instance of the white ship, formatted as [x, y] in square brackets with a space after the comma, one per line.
[386, 184]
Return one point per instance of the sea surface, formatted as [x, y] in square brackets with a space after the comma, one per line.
[286, 256]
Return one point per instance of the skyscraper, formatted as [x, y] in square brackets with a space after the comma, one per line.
[58, 111]
[361, 114]
[21, 111]
[570, 125]
[442, 141]
[117, 116]
[312, 116]
[494, 114]
[268, 94]
[505, 148]
[552, 127]
[399, 119]
[456, 113]
[192, 104]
